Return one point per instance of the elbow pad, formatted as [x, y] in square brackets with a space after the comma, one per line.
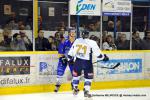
[100, 56]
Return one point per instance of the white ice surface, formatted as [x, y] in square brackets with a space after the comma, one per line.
[114, 94]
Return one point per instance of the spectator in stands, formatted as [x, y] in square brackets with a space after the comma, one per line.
[104, 36]
[26, 40]
[40, 22]
[12, 25]
[7, 36]
[62, 30]
[118, 25]
[62, 25]
[28, 43]
[95, 38]
[12, 18]
[91, 27]
[123, 43]
[110, 27]
[21, 25]
[118, 38]
[82, 27]
[137, 42]
[109, 43]
[52, 43]
[29, 23]
[41, 43]
[18, 44]
[92, 37]
[147, 41]
[57, 39]
[3, 46]
[73, 23]
[97, 26]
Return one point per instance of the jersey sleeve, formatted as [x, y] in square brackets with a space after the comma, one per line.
[96, 50]
[72, 49]
[61, 48]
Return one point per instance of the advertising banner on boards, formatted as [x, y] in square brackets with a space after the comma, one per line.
[14, 65]
[117, 7]
[127, 66]
[85, 7]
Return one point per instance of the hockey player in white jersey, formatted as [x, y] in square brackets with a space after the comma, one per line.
[81, 52]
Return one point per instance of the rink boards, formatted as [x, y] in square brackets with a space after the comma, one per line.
[29, 72]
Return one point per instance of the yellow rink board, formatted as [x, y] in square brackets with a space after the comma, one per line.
[67, 86]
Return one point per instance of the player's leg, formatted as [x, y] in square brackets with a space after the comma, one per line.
[60, 72]
[88, 75]
[75, 83]
[71, 70]
[76, 75]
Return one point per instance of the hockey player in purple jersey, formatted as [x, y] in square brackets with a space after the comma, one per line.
[63, 52]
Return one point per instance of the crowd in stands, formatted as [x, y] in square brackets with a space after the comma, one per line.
[108, 43]
[14, 42]
[21, 42]
[48, 44]
[122, 43]
[18, 41]
[15, 23]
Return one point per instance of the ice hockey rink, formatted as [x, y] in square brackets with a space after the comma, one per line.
[112, 94]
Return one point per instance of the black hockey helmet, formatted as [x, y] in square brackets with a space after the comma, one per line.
[85, 34]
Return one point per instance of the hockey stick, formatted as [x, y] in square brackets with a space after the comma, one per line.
[113, 67]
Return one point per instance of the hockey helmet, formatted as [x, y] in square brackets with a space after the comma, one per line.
[85, 34]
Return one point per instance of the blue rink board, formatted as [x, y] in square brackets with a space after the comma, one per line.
[128, 66]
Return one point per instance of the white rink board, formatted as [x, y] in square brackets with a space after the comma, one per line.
[147, 67]
[134, 66]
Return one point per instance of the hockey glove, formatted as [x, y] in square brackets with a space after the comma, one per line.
[70, 60]
[64, 60]
[106, 58]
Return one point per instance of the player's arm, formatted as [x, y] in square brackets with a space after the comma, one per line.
[71, 55]
[72, 52]
[61, 50]
[97, 52]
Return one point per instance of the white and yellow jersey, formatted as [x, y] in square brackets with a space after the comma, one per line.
[83, 49]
